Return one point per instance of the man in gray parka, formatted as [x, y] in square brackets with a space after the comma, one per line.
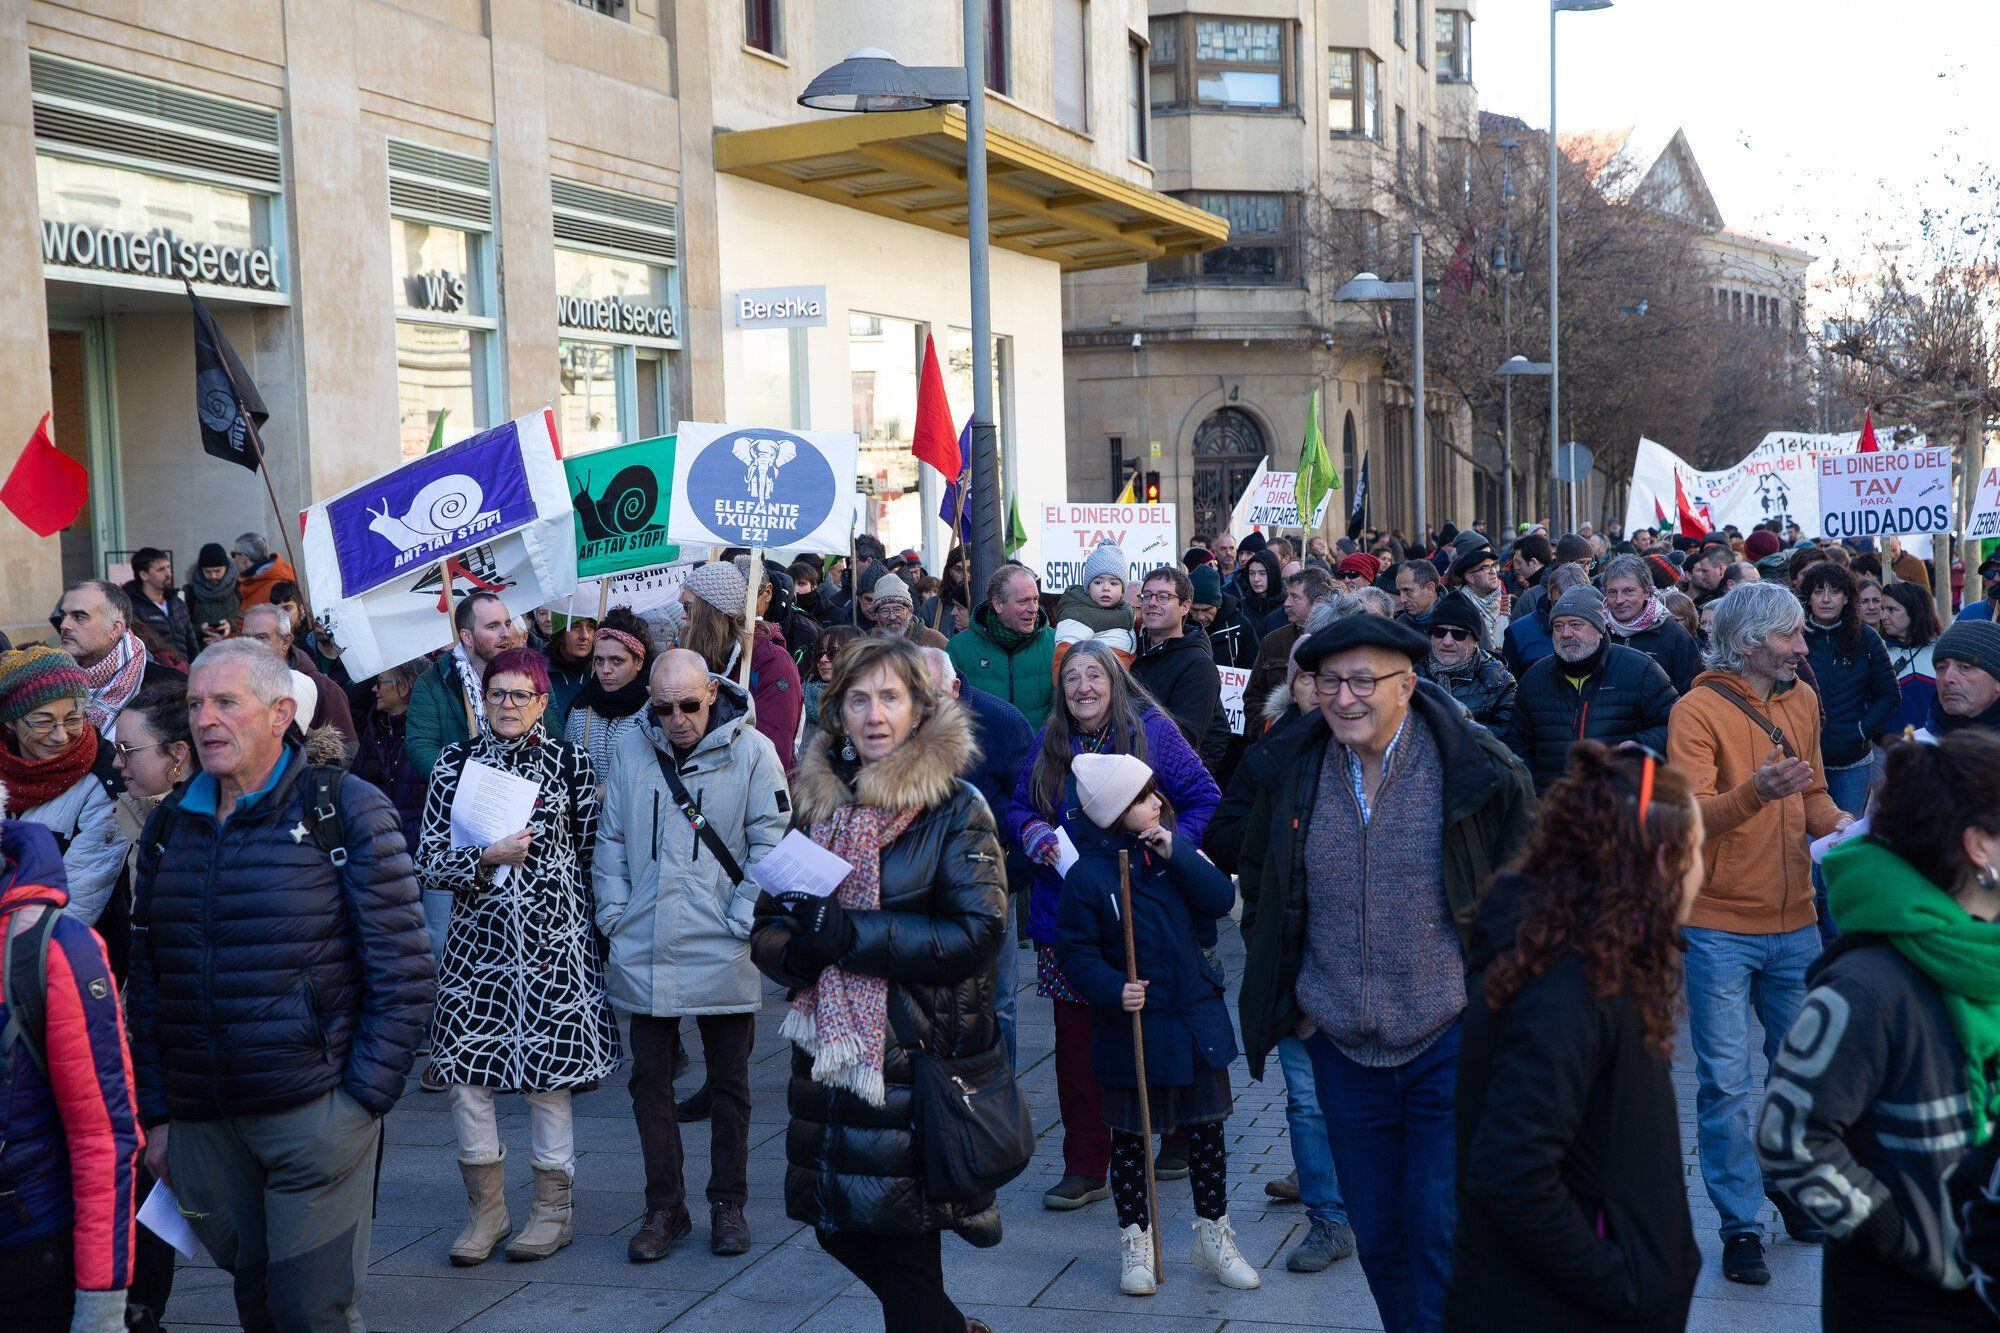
[695, 796]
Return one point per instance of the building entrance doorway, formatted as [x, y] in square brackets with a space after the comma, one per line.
[1228, 445]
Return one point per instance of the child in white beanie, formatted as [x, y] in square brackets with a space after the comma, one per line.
[1095, 607]
[1189, 1040]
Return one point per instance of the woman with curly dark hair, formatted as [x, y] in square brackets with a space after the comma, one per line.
[1572, 1196]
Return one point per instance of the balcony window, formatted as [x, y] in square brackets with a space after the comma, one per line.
[1454, 46]
[1353, 93]
[1071, 60]
[1135, 100]
[1262, 250]
[1222, 64]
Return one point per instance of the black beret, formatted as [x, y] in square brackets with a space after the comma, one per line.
[1472, 560]
[1362, 631]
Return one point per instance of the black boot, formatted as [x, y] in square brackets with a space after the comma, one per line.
[696, 1106]
[1799, 1224]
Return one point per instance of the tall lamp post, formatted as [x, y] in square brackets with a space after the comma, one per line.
[1366, 287]
[873, 80]
[1510, 370]
[1555, 344]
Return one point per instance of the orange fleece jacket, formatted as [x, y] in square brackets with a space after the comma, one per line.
[1759, 866]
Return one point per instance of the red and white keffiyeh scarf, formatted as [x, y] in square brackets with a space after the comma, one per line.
[114, 680]
[1651, 614]
[842, 1019]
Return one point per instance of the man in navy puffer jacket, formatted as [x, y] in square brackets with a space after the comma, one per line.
[279, 992]
[1587, 689]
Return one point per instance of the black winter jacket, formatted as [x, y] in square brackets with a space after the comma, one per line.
[262, 975]
[1483, 685]
[1857, 694]
[1230, 636]
[170, 622]
[1626, 697]
[852, 1167]
[1180, 675]
[1572, 1199]
[1672, 649]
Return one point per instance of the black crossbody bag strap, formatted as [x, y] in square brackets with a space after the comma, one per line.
[1764, 724]
[698, 821]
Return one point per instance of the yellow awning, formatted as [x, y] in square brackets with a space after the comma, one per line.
[910, 166]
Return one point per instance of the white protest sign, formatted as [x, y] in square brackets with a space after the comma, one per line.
[1270, 501]
[1070, 532]
[1984, 520]
[1884, 493]
[636, 590]
[762, 487]
[1234, 681]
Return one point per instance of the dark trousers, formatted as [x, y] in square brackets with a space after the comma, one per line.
[1086, 1142]
[906, 1273]
[1861, 1294]
[725, 1044]
[39, 1282]
[152, 1263]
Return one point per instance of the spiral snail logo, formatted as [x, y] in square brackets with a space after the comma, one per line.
[623, 516]
[216, 401]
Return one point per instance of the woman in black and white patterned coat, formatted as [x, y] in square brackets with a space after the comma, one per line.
[521, 989]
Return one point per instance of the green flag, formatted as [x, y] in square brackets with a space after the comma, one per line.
[621, 497]
[1316, 474]
[1017, 535]
[437, 431]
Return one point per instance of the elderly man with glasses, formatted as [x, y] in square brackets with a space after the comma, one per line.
[697, 796]
[1375, 824]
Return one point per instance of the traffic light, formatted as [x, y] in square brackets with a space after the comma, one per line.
[1151, 495]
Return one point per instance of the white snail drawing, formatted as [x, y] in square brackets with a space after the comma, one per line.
[438, 510]
[762, 458]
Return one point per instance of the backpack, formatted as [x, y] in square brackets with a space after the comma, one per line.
[27, 987]
[323, 820]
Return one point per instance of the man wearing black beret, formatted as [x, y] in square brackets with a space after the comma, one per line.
[1363, 835]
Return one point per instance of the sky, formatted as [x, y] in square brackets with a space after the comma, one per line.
[1825, 124]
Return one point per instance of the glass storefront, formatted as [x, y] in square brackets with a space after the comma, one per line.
[885, 358]
[620, 323]
[444, 335]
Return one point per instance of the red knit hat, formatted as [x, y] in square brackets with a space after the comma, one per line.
[1360, 563]
[1759, 544]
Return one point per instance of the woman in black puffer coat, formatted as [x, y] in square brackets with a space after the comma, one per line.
[1856, 682]
[882, 771]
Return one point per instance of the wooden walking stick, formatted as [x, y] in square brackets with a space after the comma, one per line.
[1139, 1061]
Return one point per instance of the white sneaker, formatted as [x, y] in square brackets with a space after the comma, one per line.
[1215, 1249]
[1135, 1269]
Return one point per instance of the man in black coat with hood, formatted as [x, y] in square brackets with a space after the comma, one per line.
[1217, 614]
[1587, 689]
[1176, 664]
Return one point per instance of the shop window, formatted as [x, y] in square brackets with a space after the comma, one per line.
[1135, 101]
[1353, 93]
[444, 335]
[769, 381]
[1210, 63]
[619, 317]
[1071, 50]
[884, 356]
[1262, 250]
[958, 380]
[764, 25]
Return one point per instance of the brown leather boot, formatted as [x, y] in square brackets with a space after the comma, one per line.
[548, 1222]
[728, 1233]
[658, 1233]
[486, 1192]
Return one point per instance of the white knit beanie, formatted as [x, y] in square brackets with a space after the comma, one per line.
[1106, 559]
[891, 588]
[1107, 784]
[721, 585]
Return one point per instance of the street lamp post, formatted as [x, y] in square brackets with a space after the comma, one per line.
[1367, 287]
[1555, 344]
[871, 80]
[1510, 370]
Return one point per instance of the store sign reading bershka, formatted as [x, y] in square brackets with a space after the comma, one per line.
[611, 315]
[158, 254]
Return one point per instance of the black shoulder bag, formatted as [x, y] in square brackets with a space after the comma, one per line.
[698, 821]
[973, 1130]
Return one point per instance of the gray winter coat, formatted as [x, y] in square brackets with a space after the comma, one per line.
[679, 930]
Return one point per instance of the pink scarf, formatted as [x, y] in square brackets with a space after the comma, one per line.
[842, 1019]
[1651, 614]
[113, 681]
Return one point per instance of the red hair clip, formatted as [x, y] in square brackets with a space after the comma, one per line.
[1645, 791]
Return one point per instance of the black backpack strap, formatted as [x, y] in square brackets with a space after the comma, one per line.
[323, 818]
[28, 986]
[697, 820]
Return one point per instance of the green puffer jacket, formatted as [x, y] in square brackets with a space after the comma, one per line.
[1024, 678]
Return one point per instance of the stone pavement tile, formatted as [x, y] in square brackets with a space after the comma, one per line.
[1794, 1281]
[546, 1306]
[1337, 1298]
[851, 1314]
[394, 1304]
[727, 1312]
[389, 1238]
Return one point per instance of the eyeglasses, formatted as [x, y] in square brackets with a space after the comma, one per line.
[127, 751]
[1167, 596]
[1359, 686]
[512, 698]
[44, 724]
[1450, 632]
[664, 708]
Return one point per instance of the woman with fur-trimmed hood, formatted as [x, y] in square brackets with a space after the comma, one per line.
[903, 952]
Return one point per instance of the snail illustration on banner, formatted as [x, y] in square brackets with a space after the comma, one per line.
[439, 511]
[623, 508]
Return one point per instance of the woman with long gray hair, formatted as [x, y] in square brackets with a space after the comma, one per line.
[1098, 709]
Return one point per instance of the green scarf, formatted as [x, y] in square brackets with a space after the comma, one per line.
[1008, 641]
[1871, 889]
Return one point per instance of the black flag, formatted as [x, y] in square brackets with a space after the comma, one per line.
[227, 402]
[1356, 516]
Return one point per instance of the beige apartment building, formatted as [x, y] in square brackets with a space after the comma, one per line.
[1288, 118]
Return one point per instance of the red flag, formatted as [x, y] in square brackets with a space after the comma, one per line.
[1659, 513]
[1867, 445]
[934, 441]
[47, 488]
[1691, 524]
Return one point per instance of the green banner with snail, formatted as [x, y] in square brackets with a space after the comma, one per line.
[621, 499]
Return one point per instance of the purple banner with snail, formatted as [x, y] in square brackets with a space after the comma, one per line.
[621, 498]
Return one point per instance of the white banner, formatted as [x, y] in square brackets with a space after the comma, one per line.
[1882, 494]
[1271, 501]
[1234, 679]
[1145, 533]
[1776, 480]
[1984, 521]
[637, 590]
[762, 487]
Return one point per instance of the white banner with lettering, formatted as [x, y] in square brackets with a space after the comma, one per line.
[1234, 681]
[1270, 501]
[1070, 532]
[1884, 493]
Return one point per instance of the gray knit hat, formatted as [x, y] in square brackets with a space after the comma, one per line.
[721, 585]
[891, 588]
[1584, 603]
[1106, 559]
[1974, 642]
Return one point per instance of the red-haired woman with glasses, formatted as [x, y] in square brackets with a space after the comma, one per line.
[1572, 1196]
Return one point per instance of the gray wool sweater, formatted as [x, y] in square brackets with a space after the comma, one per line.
[1383, 975]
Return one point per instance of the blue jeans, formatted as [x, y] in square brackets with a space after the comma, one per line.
[1394, 1145]
[1728, 974]
[1848, 789]
[1009, 978]
[437, 917]
[1312, 1153]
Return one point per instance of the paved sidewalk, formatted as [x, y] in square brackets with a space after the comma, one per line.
[1053, 1273]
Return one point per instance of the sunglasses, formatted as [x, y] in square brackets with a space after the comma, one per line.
[1352, 576]
[665, 708]
[1449, 632]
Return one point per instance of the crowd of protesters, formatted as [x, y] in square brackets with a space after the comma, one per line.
[1499, 822]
